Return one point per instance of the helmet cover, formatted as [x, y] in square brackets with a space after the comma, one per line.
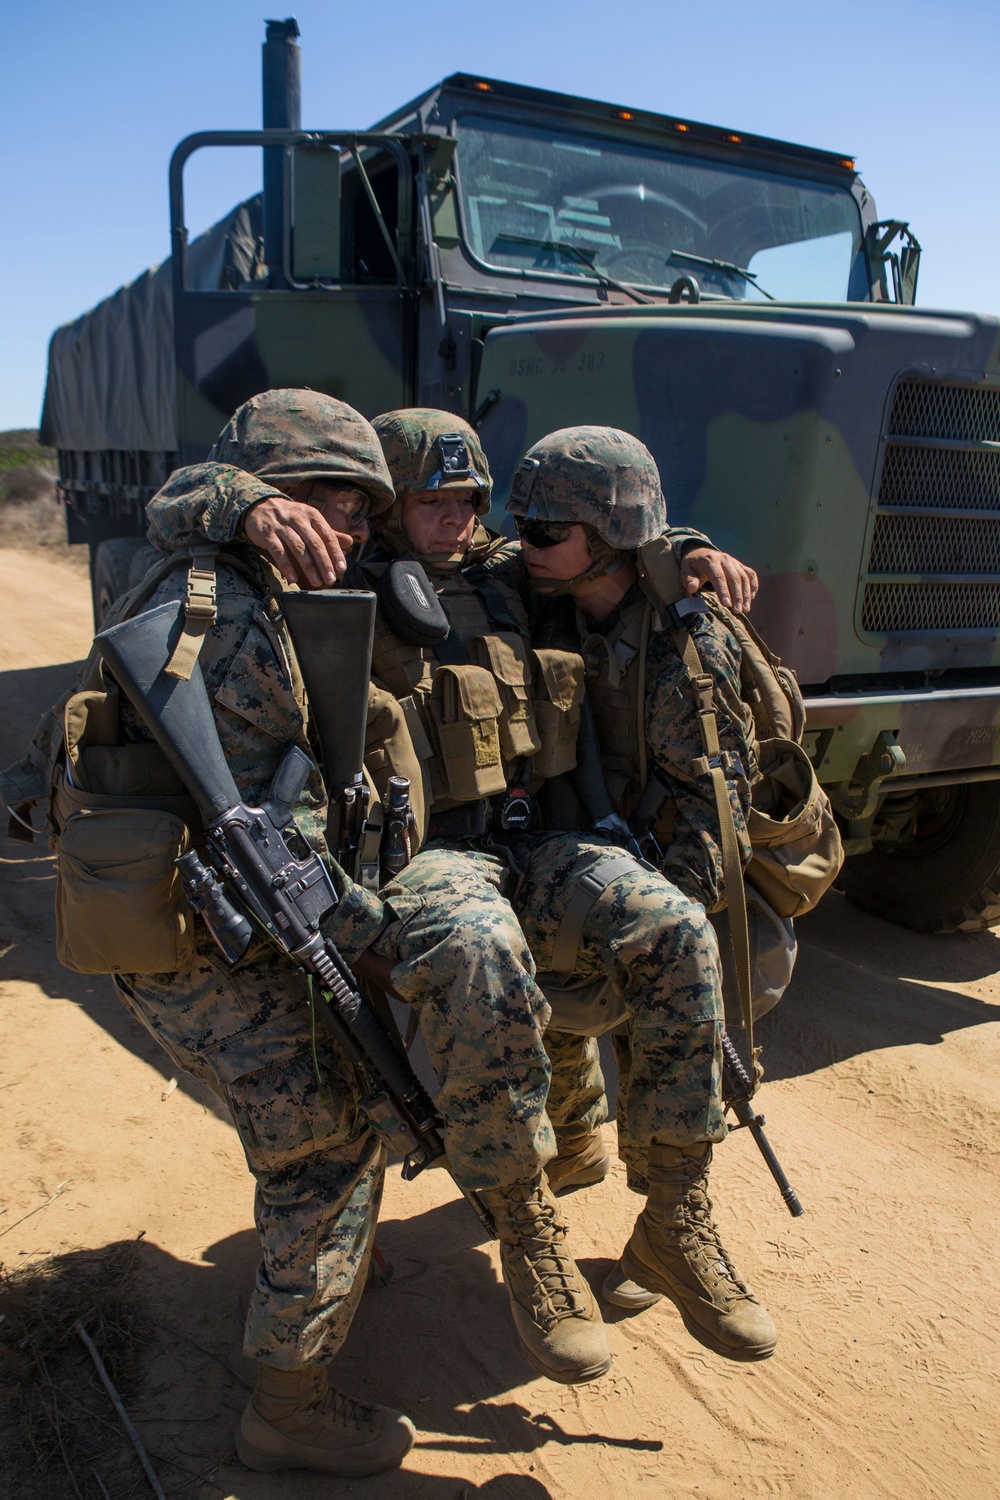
[286, 436]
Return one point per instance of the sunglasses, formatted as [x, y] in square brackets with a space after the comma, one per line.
[541, 533]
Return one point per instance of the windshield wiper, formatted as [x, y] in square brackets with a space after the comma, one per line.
[721, 265]
[603, 279]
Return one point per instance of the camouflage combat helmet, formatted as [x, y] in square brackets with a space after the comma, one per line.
[427, 449]
[286, 436]
[597, 477]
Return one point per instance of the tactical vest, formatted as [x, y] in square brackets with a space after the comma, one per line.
[482, 708]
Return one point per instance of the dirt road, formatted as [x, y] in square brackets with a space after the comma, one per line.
[882, 1102]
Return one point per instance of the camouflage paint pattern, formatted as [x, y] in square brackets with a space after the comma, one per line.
[813, 425]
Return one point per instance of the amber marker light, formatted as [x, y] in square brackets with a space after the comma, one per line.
[682, 128]
[624, 114]
[484, 88]
[848, 162]
[735, 140]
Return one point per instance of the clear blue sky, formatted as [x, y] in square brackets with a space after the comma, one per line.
[94, 97]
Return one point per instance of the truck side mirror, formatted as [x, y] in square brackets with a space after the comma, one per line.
[314, 213]
[909, 267]
[902, 265]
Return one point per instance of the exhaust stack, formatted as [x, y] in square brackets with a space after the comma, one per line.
[282, 102]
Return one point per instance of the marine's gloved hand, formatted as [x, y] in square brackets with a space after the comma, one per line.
[301, 543]
[735, 583]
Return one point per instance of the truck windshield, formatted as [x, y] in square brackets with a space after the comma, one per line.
[526, 191]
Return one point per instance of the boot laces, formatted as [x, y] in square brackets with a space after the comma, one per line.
[537, 1233]
[698, 1223]
[349, 1412]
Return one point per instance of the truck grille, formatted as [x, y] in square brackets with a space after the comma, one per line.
[934, 559]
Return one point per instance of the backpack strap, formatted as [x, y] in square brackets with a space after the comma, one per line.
[200, 613]
[710, 764]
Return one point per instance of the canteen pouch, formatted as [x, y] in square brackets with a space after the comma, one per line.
[797, 852]
[120, 906]
[505, 656]
[466, 709]
[558, 695]
[121, 819]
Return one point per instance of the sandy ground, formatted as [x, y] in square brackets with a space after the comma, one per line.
[882, 1100]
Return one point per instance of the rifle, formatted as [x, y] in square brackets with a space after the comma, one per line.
[259, 872]
[591, 790]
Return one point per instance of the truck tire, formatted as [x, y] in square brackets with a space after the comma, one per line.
[948, 878]
[110, 569]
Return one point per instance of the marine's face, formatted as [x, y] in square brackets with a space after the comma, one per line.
[341, 506]
[559, 561]
[440, 521]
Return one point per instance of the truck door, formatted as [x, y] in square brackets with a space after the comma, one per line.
[331, 304]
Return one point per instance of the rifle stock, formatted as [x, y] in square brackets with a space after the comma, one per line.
[177, 713]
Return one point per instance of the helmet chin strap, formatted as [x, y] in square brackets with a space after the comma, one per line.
[607, 559]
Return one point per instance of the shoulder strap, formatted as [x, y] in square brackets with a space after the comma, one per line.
[200, 613]
[710, 764]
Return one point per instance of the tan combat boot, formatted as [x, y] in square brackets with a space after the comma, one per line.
[557, 1320]
[295, 1420]
[675, 1249]
[579, 1163]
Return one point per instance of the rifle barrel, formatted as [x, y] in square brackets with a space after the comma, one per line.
[738, 1089]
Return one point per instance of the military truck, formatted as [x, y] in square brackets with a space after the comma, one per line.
[532, 260]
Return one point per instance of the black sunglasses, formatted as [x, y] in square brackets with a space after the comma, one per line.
[541, 533]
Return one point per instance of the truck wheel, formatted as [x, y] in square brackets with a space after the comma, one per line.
[947, 879]
[109, 572]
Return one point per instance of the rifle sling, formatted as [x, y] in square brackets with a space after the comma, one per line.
[732, 866]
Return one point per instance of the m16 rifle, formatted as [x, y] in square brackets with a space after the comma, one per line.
[258, 872]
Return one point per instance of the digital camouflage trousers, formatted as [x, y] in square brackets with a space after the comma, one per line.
[466, 960]
[661, 954]
[246, 1033]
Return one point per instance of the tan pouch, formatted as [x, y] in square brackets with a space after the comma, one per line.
[120, 908]
[506, 657]
[559, 692]
[797, 852]
[466, 708]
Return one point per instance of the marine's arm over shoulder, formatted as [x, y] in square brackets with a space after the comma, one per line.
[204, 502]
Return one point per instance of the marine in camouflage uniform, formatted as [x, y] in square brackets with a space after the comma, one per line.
[246, 1031]
[585, 499]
